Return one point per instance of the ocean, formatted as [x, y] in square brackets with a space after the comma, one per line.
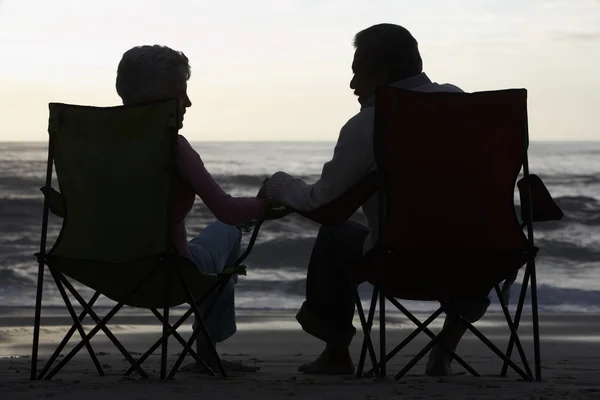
[568, 262]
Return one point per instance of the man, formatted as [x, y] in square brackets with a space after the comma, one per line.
[152, 73]
[385, 54]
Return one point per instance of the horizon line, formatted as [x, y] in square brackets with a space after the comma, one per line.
[302, 141]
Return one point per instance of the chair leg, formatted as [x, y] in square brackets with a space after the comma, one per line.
[165, 326]
[517, 320]
[370, 318]
[172, 331]
[367, 336]
[67, 337]
[86, 340]
[410, 337]
[99, 326]
[495, 349]
[424, 351]
[536, 325]
[88, 309]
[37, 319]
[158, 343]
[382, 340]
[201, 326]
[188, 346]
[176, 335]
[513, 332]
[423, 327]
[75, 318]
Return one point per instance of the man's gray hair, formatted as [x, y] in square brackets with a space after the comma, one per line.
[392, 47]
[146, 73]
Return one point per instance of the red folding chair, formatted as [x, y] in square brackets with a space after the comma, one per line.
[447, 167]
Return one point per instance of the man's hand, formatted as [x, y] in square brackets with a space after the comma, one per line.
[276, 213]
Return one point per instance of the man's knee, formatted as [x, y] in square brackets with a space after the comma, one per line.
[472, 308]
[343, 235]
[325, 234]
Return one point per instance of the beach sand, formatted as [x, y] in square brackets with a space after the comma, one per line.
[274, 341]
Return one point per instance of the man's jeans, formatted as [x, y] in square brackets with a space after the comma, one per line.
[328, 310]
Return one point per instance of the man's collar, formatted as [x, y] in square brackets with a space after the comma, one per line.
[408, 84]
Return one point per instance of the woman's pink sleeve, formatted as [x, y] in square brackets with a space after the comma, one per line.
[227, 209]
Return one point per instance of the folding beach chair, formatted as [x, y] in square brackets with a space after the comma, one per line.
[447, 164]
[114, 168]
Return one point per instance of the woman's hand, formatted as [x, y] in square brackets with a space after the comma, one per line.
[272, 212]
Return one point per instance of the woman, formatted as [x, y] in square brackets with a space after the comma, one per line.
[152, 73]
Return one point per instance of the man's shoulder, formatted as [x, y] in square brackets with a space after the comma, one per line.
[362, 121]
[449, 87]
[439, 87]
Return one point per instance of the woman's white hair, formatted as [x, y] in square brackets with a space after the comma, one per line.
[148, 73]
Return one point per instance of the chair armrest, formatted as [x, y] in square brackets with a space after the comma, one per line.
[543, 206]
[341, 209]
[55, 201]
[228, 271]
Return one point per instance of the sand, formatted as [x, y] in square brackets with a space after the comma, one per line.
[273, 341]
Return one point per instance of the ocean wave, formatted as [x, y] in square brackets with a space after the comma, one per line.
[289, 294]
[252, 181]
[570, 179]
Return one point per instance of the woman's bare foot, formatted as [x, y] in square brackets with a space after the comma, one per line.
[230, 366]
[332, 361]
[205, 352]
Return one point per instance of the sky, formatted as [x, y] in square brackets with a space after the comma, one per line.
[280, 69]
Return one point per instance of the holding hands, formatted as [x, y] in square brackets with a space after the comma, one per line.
[272, 212]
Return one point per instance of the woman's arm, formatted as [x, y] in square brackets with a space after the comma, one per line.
[229, 210]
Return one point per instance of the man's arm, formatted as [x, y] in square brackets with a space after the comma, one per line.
[352, 160]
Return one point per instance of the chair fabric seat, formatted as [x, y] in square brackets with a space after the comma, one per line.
[116, 281]
[441, 275]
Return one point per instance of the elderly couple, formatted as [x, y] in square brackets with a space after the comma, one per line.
[386, 54]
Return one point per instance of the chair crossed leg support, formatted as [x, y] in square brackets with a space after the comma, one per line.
[367, 325]
[201, 327]
[67, 337]
[100, 325]
[62, 282]
[367, 343]
[420, 327]
[436, 339]
[187, 346]
[529, 273]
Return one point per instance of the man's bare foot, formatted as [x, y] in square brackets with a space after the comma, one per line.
[332, 361]
[438, 369]
[439, 363]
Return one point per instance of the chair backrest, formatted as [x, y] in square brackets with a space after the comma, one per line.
[448, 165]
[450, 162]
[114, 167]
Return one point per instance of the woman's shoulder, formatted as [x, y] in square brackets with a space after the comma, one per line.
[182, 141]
[184, 146]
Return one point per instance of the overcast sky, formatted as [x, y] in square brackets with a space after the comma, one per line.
[279, 69]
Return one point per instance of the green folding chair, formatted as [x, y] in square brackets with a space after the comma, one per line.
[114, 167]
